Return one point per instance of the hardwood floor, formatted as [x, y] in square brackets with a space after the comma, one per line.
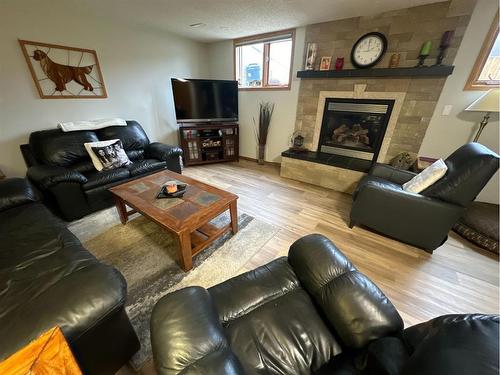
[457, 278]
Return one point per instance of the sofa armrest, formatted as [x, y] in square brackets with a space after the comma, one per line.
[353, 304]
[187, 336]
[15, 192]
[170, 154]
[416, 219]
[47, 176]
[162, 151]
[392, 174]
[397, 204]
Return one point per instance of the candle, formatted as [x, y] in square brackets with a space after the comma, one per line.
[171, 186]
[446, 39]
[426, 48]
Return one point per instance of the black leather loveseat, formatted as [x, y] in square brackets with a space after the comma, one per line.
[60, 167]
[48, 279]
[311, 313]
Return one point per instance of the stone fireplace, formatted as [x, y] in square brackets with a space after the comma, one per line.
[354, 127]
[355, 124]
[343, 146]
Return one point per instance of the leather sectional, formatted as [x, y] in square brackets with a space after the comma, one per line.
[60, 167]
[48, 278]
[311, 313]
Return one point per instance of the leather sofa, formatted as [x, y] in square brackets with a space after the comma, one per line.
[422, 220]
[47, 278]
[60, 167]
[311, 313]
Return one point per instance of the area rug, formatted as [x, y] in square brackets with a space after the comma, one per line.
[146, 255]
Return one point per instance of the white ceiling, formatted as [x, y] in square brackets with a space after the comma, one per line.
[228, 19]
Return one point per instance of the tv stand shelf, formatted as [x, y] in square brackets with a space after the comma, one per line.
[204, 143]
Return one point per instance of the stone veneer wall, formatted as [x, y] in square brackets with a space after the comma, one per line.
[406, 31]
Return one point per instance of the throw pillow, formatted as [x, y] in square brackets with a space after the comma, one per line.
[107, 154]
[427, 177]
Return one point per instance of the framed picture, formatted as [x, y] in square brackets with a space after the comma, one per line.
[62, 72]
[325, 63]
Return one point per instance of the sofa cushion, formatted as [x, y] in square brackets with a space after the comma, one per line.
[47, 278]
[146, 166]
[135, 154]
[105, 177]
[132, 136]
[271, 322]
[54, 147]
[469, 168]
[427, 177]
[107, 154]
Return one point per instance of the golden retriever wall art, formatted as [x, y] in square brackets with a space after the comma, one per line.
[64, 72]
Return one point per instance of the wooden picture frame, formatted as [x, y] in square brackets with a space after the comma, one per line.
[325, 63]
[473, 82]
[62, 72]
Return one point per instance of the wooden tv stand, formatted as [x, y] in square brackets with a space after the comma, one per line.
[204, 143]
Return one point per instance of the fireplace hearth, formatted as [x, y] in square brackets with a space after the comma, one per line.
[354, 128]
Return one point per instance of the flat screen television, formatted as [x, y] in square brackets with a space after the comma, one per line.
[205, 100]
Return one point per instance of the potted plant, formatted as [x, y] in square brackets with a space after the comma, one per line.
[261, 131]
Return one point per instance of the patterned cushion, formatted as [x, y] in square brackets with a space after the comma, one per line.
[479, 225]
[107, 154]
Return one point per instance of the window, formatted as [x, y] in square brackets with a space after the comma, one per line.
[264, 61]
[486, 71]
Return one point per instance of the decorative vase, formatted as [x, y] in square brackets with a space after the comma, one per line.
[339, 63]
[262, 151]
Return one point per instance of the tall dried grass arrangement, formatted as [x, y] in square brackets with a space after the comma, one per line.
[261, 131]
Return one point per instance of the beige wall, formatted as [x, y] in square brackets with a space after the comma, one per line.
[137, 66]
[283, 120]
[447, 133]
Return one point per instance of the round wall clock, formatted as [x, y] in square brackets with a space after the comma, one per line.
[368, 50]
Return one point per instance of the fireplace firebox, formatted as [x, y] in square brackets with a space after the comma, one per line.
[354, 128]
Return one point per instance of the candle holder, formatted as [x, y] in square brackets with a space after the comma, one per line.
[424, 53]
[442, 54]
[421, 61]
[444, 45]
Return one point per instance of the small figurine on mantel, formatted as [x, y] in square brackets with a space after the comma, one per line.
[297, 142]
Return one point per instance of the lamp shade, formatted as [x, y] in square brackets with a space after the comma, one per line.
[488, 102]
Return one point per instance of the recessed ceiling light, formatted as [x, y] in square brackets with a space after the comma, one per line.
[199, 24]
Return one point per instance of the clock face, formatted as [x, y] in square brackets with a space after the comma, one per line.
[368, 50]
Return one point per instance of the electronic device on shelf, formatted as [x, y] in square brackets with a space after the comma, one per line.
[207, 113]
[205, 100]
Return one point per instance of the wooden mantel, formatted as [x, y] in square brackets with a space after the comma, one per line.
[424, 71]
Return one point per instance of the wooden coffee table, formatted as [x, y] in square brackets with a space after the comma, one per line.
[187, 217]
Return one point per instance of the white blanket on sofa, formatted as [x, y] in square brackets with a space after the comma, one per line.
[91, 124]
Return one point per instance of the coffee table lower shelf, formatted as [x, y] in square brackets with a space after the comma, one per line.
[191, 240]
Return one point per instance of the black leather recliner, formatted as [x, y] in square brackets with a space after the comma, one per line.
[48, 279]
[60, 167]
[311, 313]
[422, 220]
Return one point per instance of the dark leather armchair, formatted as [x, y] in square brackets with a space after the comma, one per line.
[311, 313]
[422, 220]
[60, 167]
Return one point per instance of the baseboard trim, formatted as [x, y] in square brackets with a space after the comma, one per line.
[275, 163]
